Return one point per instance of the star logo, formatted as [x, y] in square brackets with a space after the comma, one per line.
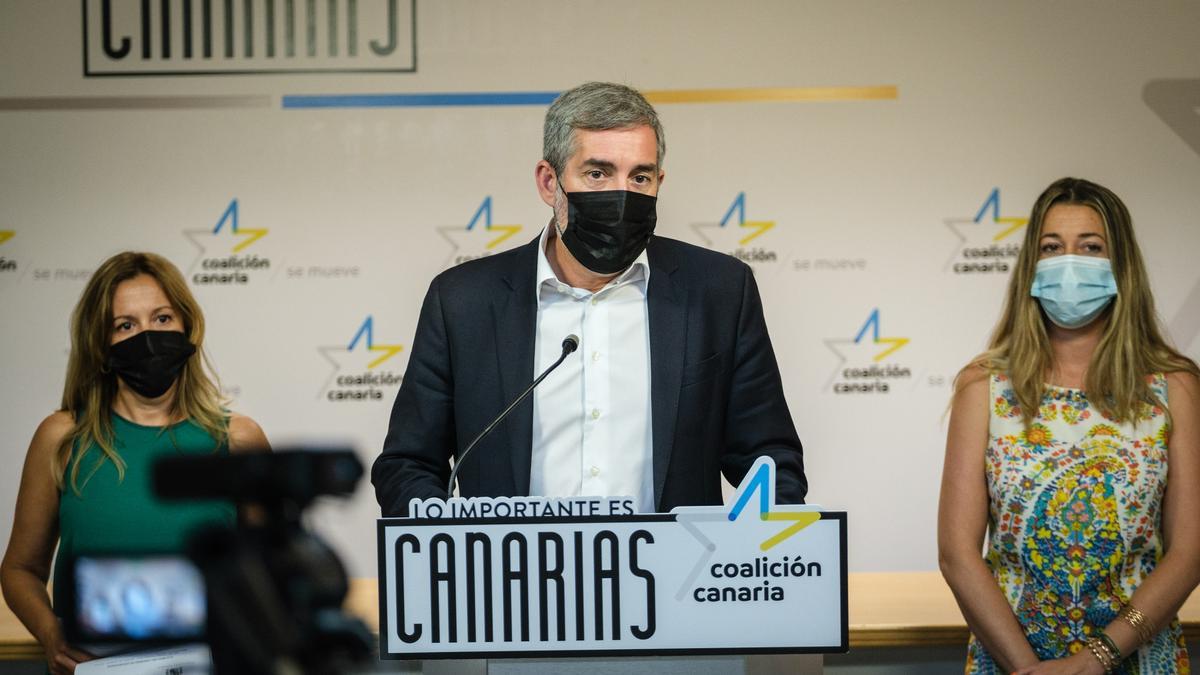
[361, 354]
[983, 233]
[366, 336]
[476, 241]
[720, 236]
[763, 483]
[705, 524]
[5, 235]
[228, 231]
[859, 350]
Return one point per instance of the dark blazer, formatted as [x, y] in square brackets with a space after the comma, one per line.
[715, 393]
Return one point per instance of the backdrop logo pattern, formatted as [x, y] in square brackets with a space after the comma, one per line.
[59, 274]
[215, 37]
[865, 364]
[986, 244]
[480, 238]
[7, 264]
[356, 374]
[737, 236]
[220, 260]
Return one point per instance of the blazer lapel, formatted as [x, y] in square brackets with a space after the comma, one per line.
[514, 316]
[667, 309]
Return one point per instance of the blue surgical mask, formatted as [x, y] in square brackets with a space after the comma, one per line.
[1073, 289]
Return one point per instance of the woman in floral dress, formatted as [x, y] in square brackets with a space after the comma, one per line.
[1062, 437]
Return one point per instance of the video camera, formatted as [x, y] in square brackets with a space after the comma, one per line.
[267, 597]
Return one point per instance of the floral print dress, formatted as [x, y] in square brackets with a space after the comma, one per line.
[1074, 521]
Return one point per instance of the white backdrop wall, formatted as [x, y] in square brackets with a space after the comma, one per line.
[346, 213]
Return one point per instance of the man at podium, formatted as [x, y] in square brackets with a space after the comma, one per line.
[671, 379]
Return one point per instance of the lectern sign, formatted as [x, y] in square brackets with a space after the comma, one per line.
[529, 576]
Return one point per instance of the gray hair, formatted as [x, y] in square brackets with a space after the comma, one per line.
[595, 106]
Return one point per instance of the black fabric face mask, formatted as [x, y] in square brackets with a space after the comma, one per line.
[607, 230]
[150, 361]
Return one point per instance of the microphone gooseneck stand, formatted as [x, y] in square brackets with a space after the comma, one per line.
[570, 344]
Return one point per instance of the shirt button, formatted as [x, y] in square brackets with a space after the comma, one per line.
[595, 300]
[595, 356]
[595, 413]
[595, 471]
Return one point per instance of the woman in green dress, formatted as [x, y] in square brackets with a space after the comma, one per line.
[138, 388]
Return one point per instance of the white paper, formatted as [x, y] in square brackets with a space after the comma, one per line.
[177, 660]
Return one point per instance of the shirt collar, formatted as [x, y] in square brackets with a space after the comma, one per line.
[638, 272]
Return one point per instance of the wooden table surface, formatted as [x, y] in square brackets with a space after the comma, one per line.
[887, 609]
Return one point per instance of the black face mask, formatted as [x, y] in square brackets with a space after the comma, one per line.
[150, 361]
[608, 230]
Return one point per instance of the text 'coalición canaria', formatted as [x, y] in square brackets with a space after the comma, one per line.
[994, 258]
[763, 568]
[871, 379]
[367, 386]
[231, 270]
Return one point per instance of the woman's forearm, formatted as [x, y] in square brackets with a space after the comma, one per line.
[1158, 599]
[26, 595]
[987, 611]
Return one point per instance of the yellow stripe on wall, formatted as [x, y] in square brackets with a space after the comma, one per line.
[772, 94]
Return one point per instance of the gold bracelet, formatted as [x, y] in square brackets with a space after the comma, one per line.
[1134, 617]
[1110, 647]
[1097, 651]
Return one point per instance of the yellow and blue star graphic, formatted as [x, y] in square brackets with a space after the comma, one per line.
[479, 238]
[748, 230]
[988, 228]
[362, 343]
[761, 480]
[227, 232]
[876, 348]
[704, 523]
[366, 335]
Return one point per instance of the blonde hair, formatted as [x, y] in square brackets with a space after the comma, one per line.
[90, 387]
[1132, 346]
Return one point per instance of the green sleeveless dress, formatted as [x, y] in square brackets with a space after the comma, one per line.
[111, 515]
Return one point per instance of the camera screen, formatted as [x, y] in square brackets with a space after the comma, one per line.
[144, 598]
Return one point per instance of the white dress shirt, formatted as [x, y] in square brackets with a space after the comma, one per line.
[591, 417]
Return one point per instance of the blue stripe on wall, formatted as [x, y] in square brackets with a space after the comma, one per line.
[419, 100]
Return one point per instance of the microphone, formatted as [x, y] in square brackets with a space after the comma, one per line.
[569, 344]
